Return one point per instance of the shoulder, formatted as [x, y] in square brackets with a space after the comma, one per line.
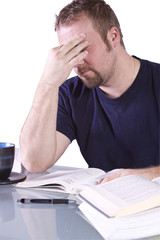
[152, 77]
[150, 73]
[152, 66]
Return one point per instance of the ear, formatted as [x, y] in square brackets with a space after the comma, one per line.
[113, 37]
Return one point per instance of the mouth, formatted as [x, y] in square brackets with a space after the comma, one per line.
[83, 73]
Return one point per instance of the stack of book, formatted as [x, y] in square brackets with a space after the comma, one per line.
[124, 208]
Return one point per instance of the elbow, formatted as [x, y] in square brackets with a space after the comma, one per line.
[34, 158]
[34, 165]
[34, 162]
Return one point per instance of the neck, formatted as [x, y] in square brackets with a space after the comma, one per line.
[124, 74]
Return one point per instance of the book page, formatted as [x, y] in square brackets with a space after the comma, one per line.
[132, 189]
[122, 196]
[144, 224]
[69, 181]
[101, 223]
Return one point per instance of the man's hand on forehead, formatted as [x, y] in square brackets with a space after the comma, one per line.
[74, 47]
[62, 59]
[75, 41]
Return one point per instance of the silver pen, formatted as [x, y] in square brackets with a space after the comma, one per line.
[45, 201]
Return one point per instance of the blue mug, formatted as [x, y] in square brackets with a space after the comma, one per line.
[7, 151]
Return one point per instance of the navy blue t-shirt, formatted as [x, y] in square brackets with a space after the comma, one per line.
[114, 133]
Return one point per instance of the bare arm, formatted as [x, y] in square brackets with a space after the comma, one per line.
[41, 145]
[149, 172]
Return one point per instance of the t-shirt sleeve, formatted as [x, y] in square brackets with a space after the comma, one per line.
[65, 123]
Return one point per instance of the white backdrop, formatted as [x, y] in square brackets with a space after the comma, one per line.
[27, 34]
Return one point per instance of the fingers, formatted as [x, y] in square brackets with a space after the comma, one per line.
[113, 175]
[76, 48]
[77, 59]
[108, 178]
[72, 44]
[62, 59]
[144, 172]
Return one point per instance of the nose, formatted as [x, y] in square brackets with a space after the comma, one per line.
[82, 62]
[80, 65]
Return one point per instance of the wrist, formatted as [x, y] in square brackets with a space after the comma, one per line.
[53, 80]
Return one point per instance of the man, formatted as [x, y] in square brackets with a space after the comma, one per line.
[111, 108]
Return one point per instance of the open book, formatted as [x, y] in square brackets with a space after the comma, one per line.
[68, 181]
[123, 196]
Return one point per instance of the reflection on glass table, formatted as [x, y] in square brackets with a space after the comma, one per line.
[43, 221]
[37, 221]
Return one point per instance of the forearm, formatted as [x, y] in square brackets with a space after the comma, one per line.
[38, 135]
[40, 145]
[149, 173]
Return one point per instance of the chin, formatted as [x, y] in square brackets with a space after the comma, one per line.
[90, 84]
[91, 80]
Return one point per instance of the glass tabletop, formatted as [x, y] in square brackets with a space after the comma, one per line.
[43, 221]
[40, 221]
